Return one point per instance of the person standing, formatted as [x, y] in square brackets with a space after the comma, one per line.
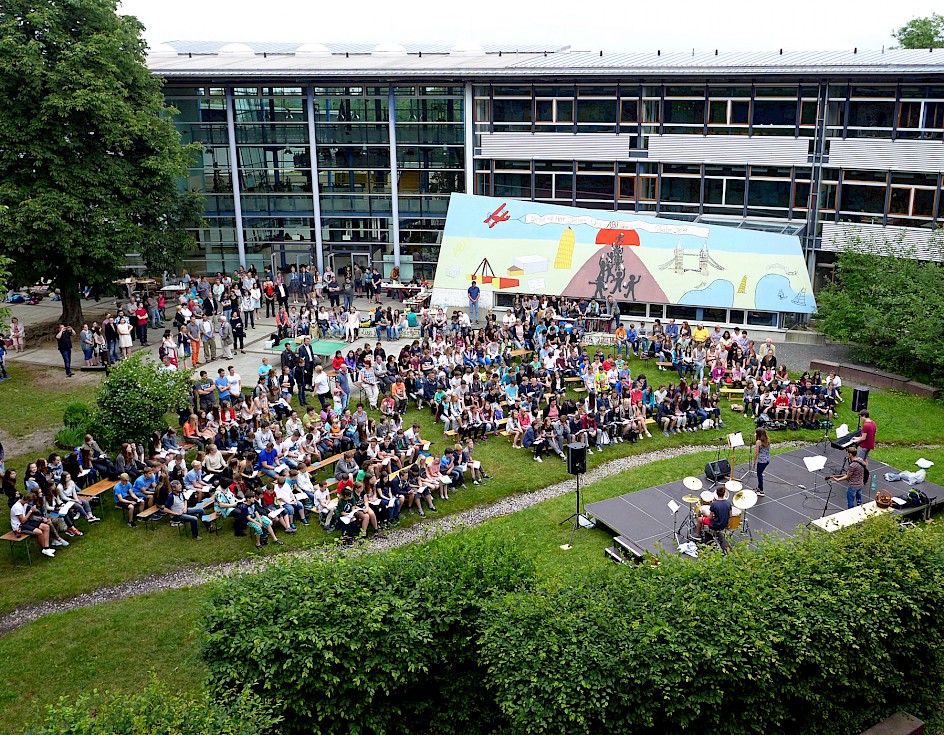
[322, 386]
[209, 339]
[865, 442]
[64, 345]
[141, 314]
[474, 293]
[239, 332]
[854, 477]
[762, 457]
[300, 376]
[225, 330]
[17, 334]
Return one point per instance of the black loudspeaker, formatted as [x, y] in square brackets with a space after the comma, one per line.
[718, 470]
[860, 399]
[576, 458]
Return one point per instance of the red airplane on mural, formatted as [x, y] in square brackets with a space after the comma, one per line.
[499, 215]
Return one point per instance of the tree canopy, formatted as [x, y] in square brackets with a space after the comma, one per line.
[891, 308]
[90, 162]
[922, 32]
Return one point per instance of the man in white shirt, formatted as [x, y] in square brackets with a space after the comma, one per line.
[322, 386]
[26, 521]
[286, 495]
[293, 424]
[369, 383]
[235, 382]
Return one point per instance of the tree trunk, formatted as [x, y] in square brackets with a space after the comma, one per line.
[71, 303]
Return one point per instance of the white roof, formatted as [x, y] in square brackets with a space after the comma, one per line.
[203, 58]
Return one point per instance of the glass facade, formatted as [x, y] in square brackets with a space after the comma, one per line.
[381, 166]
[363, 172]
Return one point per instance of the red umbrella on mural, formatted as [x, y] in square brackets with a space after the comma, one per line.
[617, 237]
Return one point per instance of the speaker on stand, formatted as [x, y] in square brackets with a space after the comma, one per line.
[576, 465]
[860, 399]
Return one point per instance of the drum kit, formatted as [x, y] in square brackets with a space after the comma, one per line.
[699, 505]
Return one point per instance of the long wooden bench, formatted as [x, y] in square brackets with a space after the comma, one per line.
[15, 540]
[94, 493]
[325, 463]
[146, 516]
[726, 391]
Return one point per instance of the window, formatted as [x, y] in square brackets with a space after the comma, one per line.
[594, 187]
[629, 111]
[681, 190]
[513, 185]
[685, 112]
[871, 114]
[627, 187]
[630, 308]
[596, 111]
[735, 316]
[762, 318]
[673, 311]
[718, 316]
[511, 110]
[775, 112]
[866, 199]
[765, 193]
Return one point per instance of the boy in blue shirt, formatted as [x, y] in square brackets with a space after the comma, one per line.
[126, 498]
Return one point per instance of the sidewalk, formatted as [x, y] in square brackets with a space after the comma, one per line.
[246, 364]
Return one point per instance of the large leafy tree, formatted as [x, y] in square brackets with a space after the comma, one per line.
[90, 162]
[889, 307]
[922, 32]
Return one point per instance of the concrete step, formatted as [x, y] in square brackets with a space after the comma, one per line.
[804, 337]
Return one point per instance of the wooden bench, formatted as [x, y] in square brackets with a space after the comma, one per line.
[15, 539]
[450, 433]
[663, 365]
[580, 389]
[520, 353]
[146, 516]
[732, 391]
[325, 463]
[96, 491]
[573, 379]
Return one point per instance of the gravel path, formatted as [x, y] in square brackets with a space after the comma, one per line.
[416, 533]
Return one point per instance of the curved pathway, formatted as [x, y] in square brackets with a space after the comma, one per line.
[416, 533]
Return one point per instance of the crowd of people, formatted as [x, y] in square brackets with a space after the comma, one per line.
[260, 443]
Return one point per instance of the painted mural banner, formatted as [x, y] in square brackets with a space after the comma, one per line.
[514, 246]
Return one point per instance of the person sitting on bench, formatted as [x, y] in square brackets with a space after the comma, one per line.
[26, 520]
[126, 499]
[176, 506]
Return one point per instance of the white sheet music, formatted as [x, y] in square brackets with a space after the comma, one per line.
[814, 464]
[842, 430]
[673, 506]
[735, 440]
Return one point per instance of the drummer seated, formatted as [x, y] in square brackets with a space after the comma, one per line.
[719, 517]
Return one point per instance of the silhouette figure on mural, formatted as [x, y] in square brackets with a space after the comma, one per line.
[605, 268]
[631, 286]
[618, 278]
[600, 283]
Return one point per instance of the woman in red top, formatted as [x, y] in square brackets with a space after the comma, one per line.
[142, 316]
[338, 361]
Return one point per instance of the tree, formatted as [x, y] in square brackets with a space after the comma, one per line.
[889, 306]
[922, 33]
[135, 398]
[90, 162]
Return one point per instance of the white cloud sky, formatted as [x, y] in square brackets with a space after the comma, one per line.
[678, 25]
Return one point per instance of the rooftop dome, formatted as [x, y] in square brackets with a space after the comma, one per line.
[389, 49]
[312, 49]
[236, 49]
[162, 49]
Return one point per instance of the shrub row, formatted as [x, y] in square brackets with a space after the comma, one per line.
[820, 634]
[383, 643]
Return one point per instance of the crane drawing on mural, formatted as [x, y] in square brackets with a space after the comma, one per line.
[677, 262]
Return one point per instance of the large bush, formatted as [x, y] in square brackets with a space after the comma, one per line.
[382, 643]
[823, 634]
[890, 307]
[158, 711]
[134, 399]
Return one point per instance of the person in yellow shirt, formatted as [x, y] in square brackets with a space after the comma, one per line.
[700, 334]
[621, 342]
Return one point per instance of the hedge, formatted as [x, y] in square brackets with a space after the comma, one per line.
[158, 711]
[821, 634]
[382, 643]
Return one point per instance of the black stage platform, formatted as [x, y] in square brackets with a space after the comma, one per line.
[644, 517]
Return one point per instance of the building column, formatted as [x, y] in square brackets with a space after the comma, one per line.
[469, 115]
[234, 173]
[394, 191]
[315, 188]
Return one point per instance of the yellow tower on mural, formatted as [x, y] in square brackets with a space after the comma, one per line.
[565, 251]
[743, 287]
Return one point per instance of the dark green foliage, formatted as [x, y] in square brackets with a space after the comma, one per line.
[158, 711]
[891, 308]
[922, 33]
[134, 399]
[90, 162]
[382, 643]
[823, 634]
[76, 414]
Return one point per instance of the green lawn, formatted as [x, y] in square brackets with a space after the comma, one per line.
[36, 397]
[114, 646]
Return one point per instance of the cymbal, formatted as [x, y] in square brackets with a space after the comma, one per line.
[733, 486]
[745, 499]
[692, 483]
[707, 496]
[689, 498]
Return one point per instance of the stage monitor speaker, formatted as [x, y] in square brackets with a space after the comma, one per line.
[576, 458]
[718, 470]
[860, 399]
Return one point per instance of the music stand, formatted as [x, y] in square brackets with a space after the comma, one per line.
[815, 465]
[674, 508]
